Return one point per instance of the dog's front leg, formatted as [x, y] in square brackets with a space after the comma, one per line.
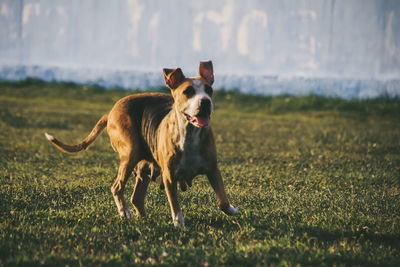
[172, 193]
[215, 179]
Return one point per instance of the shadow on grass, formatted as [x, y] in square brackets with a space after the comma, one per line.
[360, 235]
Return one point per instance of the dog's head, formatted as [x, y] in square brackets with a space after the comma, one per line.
[192, 96]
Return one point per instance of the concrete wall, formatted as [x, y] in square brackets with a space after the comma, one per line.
[256, 46]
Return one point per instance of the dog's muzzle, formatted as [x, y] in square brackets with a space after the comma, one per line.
[202, 118]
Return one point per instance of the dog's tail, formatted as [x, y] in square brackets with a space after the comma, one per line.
[100, 125]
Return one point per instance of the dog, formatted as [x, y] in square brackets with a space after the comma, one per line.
[159, 134]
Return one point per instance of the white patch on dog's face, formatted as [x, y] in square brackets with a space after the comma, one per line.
[193, 105]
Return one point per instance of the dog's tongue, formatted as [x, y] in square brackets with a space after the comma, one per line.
[202, 121]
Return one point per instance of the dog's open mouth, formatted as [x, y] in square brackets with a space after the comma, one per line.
[199, 120]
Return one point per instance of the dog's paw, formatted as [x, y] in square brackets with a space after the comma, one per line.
[126, 213]
[179, 221]
[230, 210]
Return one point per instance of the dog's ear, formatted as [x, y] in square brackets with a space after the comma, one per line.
[206, 71]
[173, 77]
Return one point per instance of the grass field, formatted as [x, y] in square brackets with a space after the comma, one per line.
[317, 182]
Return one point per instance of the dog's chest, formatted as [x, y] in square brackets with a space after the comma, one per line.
[190, 162]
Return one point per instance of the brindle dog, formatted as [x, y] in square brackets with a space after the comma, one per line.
[156, 134]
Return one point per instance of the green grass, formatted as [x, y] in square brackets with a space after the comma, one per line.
[316, 180]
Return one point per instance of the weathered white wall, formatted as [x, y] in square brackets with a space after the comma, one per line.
[256, 46]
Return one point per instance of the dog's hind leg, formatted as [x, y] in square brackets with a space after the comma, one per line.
[139, 194]
[143, 172]
[123, 135]
[127, 163]
[129, 156]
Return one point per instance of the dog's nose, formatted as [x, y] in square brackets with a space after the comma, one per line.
[205, 105]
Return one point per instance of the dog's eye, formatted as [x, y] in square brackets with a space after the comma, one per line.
[189, 91]
[208, 90]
